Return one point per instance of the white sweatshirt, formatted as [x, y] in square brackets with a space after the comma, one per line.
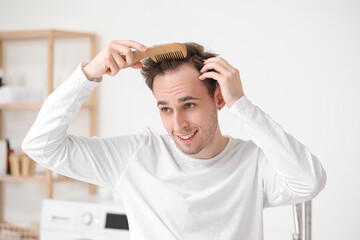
[168, 195]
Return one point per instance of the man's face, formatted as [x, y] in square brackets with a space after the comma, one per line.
[187, 111]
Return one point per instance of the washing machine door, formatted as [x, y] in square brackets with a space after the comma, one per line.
[56, 235]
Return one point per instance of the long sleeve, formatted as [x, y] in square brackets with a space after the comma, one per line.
[289, 171]
[89, 159]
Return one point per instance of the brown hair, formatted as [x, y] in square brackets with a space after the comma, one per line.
[195, 56]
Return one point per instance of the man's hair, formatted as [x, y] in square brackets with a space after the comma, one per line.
[195, 56]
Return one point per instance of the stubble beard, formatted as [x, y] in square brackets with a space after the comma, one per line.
[206, 140]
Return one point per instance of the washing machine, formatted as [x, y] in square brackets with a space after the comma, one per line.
[83, 220]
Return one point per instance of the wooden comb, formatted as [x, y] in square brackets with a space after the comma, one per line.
[160, 53]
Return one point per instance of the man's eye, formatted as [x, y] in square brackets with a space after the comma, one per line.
[189, 105]
[165, 110]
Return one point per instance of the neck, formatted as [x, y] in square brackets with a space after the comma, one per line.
[217, 146]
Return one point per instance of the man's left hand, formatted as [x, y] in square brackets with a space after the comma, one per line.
[227, 76]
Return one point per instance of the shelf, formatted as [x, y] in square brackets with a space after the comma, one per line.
[11, 178]
[20, 106]
[25, 106]
[50, 36]
[42, 34]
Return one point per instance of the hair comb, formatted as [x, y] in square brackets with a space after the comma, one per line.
[161, 52]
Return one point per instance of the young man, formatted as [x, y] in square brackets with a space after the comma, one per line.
[193, 183]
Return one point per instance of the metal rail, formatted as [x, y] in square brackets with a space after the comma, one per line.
[302, 221]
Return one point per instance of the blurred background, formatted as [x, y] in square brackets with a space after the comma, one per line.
[299, 61]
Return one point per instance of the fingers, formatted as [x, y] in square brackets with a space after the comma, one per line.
[125, 54]
[115, 56]
[137, 65]
[222, 64]
[218, 67]
[116, 62]
[129, 57]
[132, 44]
[213, 75]
[223, 70]
[123, 48]
[217, 64]
[219, 60]
[227, 76]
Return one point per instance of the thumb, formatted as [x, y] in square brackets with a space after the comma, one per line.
[137, 65]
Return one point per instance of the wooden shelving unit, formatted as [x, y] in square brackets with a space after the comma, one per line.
[10, 178]
[50, 35]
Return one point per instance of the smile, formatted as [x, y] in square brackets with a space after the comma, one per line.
[187, 138]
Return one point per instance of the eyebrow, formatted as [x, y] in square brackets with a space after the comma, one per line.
[180, 100]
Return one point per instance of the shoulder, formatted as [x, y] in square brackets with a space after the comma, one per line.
[134, 139]
[150, 136]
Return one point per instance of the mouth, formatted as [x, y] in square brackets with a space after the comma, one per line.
[187, 138]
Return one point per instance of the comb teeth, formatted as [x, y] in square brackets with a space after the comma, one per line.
[169, 56]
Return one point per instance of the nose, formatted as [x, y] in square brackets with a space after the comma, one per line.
[180, 121]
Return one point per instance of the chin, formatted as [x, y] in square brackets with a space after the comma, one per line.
[188, 151]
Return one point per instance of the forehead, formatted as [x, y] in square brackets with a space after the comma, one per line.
[181, 82]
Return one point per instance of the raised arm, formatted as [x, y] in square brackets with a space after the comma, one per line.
[95, 160]
[289, 171]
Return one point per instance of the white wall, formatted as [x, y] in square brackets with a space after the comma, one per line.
[299, 61]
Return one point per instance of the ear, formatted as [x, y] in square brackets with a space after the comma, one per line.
[218, 98]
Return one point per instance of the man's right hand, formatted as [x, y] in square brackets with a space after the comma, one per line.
[109, 60]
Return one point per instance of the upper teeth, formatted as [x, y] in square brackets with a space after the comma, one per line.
[187, 136]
